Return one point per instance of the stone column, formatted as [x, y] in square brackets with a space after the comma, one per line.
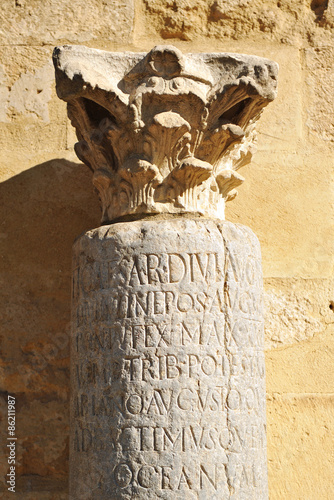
[167, 363]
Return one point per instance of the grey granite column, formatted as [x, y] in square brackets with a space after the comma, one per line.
[167, 363]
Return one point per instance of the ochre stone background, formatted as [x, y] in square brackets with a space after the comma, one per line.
[47, 200]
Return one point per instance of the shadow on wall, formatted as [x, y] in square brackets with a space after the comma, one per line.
[43, 210]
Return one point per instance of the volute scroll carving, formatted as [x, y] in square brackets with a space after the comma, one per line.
[164, 132]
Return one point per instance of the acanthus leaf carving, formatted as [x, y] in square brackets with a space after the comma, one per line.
[164, 132]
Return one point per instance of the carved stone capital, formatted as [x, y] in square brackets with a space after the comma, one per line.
[164, 131]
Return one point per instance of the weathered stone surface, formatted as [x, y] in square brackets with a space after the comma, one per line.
[320, 88]
[296, 310]
[302, 367]
[272, 21]
[281, 125]
[301, 232]
[164, 132]
[324, 11]
[31, 93]
[29, 106]
[4, 93]
[300, 430]
[168, 393]
[28, 22]
[34, 337]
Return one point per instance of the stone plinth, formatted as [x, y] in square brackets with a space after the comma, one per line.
[168, 389]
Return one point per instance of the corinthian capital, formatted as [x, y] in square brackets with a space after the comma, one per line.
[164, 131]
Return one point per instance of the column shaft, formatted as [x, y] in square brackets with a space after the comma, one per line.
[168, 389]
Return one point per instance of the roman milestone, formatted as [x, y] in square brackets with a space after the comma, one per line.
[167, 362]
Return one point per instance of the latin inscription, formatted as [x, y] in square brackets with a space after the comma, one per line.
[167, 367]
[170, 478]
[191, 438]
[147, 304]
[149, 269]
[163, 402]
[161, 343]
[209, 333]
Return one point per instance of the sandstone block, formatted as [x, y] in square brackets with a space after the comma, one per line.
[296, 191]
[320, 86]
[304, 367]
[25, 22]
[297, 310]
[300, 429]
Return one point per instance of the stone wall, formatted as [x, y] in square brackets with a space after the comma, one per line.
[47, 199]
